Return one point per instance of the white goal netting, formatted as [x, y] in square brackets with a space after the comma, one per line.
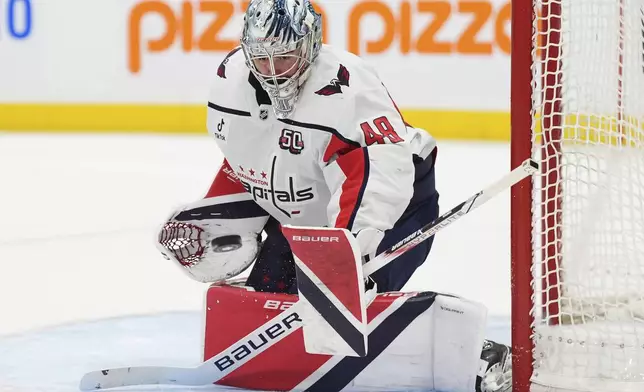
[588, 200]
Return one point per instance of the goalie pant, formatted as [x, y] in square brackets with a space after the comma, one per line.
[274, 270]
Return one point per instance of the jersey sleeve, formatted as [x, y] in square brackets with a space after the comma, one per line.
[372, 184]
[227, 192]
[226, 183]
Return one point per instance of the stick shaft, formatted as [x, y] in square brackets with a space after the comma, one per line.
[526, 169]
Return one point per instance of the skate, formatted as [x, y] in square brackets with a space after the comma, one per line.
[496, 368]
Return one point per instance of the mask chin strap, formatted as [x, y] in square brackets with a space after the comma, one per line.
[283, 107]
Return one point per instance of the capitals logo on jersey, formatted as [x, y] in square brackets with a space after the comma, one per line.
[291, 141]
[221, 71]
[335, 87]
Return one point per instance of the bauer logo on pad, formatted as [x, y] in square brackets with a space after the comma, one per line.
[331, 284]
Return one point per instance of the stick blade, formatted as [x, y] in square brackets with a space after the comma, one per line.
[331, 288]
[123, 377]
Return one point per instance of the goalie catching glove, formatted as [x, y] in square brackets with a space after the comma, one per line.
[213, 239]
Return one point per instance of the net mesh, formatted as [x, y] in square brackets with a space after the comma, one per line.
[588, 201]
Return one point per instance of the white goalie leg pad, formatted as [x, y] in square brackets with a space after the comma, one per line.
[458, 331]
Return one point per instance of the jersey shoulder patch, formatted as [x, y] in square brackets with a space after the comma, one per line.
[230, 85]
[335, 85]
[221, 71]
[232, 69]
[341, 74]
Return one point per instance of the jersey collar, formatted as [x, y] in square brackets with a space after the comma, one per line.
[260, 94]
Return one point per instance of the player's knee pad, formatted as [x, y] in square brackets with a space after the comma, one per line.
[213, 239]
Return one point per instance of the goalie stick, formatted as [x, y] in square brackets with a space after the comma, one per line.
[209, 373]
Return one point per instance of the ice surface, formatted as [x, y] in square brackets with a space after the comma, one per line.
[83, 288]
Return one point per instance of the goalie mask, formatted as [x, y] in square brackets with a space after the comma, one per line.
[281, 39]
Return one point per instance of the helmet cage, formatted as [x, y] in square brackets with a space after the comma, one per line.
[278, 85]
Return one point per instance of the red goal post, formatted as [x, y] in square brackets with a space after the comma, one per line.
[521, 194]
[577, 108]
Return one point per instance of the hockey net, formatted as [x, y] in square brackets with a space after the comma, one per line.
[585, 225]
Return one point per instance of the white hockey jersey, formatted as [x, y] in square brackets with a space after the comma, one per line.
[345, 157]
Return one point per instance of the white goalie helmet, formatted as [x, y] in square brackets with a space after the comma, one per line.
[281, 39]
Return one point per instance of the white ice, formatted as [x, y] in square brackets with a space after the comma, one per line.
[82, 286]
